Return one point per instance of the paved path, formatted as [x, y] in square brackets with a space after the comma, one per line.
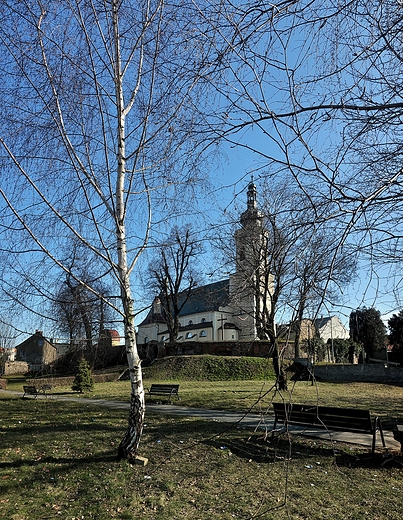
[247, 420]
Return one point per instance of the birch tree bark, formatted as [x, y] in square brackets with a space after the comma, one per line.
[97, 131]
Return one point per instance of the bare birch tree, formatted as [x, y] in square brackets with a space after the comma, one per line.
[97, 116]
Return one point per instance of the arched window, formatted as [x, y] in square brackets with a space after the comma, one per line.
[203, 320]
[190, 322]
[203, 334]
[189, 335]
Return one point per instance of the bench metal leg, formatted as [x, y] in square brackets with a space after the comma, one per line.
[274, 429]
[377, 426]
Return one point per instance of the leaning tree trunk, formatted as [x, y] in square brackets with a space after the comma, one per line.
[298, 322]
[281, 379]
[267, 333]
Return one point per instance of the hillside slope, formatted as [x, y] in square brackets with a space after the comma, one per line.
[210, 368]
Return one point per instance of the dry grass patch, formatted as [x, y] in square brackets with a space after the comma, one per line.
[58, 460]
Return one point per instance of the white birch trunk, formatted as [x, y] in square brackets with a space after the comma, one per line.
[129, 444]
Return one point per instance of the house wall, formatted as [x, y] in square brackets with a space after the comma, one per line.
[334, 329]
[49, 353]
[307, 330]
[202, 333]
[15, 367]
[192, 327]
[148, 333]
[36, 351]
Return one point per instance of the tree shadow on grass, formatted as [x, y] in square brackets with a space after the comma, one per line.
[262, 449]
[27, 434]
[49, 469]
[106, 457]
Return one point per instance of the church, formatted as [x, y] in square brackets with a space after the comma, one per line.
[223, 310]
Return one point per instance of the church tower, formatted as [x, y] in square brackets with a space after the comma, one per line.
[246, 283]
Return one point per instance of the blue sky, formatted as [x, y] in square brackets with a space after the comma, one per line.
[254, 88]
[374, 286]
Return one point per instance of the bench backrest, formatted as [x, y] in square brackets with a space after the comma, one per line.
[157, 387]
[347, 419]
[30, 389]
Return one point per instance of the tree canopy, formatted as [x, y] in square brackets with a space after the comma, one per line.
[367, 329]
[173, 275]
[395, 324]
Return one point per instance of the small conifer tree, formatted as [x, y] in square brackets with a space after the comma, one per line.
[83, 380]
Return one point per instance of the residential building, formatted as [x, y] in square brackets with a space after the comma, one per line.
[37, 351]
[331, 327]
[326, 328]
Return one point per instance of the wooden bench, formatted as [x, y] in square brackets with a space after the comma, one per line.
[45, 389]
[167, 390]
[398, 435]
[32, 390]
[329, 418]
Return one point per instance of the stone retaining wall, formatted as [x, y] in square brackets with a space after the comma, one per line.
[15, 367]
[374, 373]
[153, 349]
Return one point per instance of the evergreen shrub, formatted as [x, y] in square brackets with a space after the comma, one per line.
[83, 381]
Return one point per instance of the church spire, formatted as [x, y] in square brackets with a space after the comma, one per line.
[252, 214]
[252, 196]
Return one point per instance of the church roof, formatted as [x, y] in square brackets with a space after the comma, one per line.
[153, 318]
[321, 322]
[210, 297]
[206, 298]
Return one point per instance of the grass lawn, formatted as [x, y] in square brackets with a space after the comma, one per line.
[58, 460]
[240, 396]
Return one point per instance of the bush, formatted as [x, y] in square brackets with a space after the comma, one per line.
[83, 380]
[315, 349]
[345, 350]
